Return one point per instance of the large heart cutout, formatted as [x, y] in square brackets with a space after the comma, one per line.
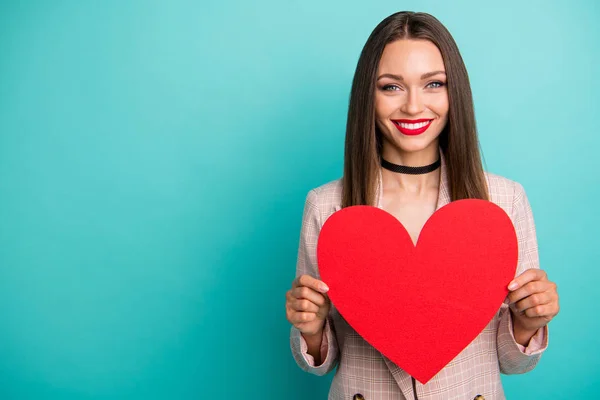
[420, 306]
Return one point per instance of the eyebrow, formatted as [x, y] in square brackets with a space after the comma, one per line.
[399, 77]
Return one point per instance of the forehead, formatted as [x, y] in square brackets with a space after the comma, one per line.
[409, 57]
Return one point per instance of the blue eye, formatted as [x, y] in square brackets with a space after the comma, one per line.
[387, 87]
[438, 83]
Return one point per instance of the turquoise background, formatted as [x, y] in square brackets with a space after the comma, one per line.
[154, 161]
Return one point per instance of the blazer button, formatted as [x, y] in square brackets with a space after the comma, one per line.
[479, 397]
[359, 396]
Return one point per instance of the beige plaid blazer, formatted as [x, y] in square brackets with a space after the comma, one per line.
[364, 371]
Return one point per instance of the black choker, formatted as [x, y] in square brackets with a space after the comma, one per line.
[402, 169]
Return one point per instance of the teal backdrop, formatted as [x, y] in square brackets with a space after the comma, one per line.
[154, 161]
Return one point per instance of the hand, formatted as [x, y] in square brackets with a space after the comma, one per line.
[307, 306]
[533, 302]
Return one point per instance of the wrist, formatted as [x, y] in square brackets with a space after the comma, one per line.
[313, 337]
[522, 333]
[313, 344]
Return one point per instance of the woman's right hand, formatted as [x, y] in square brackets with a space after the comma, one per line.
[307, 305]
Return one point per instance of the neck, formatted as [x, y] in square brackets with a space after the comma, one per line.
[416, 184]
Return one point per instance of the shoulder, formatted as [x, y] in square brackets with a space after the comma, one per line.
[330, 191]
[505, 192]
[325, 199]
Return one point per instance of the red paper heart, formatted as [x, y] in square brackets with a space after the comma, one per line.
[420, 306]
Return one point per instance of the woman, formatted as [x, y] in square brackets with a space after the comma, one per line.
[412, 147]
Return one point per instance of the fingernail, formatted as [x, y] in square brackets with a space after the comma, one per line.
[513, 286]
[324, 288]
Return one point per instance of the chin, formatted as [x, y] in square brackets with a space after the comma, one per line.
[417, 144]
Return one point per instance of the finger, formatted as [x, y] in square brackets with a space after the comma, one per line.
[300, 317]
[527, 290]
[304, 305]
[532, 274]
[546, 310]
[309, 281]
[532, 288]
[534, 300]
[309, 294]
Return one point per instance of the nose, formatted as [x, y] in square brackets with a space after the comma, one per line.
[413, 104]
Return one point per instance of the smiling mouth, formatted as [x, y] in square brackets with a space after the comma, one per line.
[412, 127]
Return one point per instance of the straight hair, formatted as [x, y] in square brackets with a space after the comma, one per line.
[458, 140]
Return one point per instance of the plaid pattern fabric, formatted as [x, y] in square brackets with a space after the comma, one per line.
[362, 369]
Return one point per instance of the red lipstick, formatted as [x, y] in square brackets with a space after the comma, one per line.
[407, 126]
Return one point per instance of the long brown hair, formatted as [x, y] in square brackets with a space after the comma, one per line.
[458, 140]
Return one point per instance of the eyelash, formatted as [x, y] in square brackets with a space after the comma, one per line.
[441, 84]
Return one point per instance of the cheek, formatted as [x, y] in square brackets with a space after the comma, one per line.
[384, 107]
[440, 105]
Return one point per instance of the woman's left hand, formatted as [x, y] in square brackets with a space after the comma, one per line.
[533, 301]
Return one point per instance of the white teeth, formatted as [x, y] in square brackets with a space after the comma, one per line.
[413, 126]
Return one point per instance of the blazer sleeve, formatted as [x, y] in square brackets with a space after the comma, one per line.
[514, 358]
[307, 264]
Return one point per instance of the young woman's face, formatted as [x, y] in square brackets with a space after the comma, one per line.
[411, 97]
